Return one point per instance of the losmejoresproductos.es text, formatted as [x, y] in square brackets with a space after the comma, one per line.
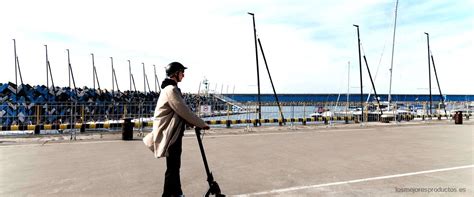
[429, 189]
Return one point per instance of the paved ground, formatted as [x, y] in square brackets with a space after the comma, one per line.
[371, 160]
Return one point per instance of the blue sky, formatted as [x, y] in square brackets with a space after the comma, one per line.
[308, 44]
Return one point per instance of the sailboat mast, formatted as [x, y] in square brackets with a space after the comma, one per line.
[393, 49]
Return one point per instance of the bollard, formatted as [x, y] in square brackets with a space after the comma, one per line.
[458, 117]
[83, 128]
[227, 123]
[304, 113]
[37, 129]
[127, 129]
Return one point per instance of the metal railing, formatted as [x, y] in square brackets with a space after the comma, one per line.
[216, 113]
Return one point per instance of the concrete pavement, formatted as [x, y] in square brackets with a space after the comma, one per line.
[376, 160]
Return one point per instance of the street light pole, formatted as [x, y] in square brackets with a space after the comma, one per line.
[360, 68]
[258, 72]
[429, 70]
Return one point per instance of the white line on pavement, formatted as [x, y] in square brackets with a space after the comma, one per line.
[354, 181]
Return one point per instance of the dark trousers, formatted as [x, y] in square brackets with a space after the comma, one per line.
[172, 185]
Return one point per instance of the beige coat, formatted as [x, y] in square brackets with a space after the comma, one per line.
[171, 113]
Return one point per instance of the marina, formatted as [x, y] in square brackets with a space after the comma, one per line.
[287, 98]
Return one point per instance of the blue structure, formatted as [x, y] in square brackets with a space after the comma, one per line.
[27, 104]
[342, 98]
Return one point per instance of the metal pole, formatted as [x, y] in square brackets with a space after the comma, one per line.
[198, 100]
[16, 67]
[144, 79]
[142, 101]
[68, 68]
[148, 83]
[130, 74]
[115, 78]
[113, 86]
[47, 74]
[71, 73]
[47, 83]
[271, 81]
[130, 80]
[439, 87]
[429, 70]
[93, 71]
[360, 68]
[156, 80]
[373, 85]
[134, 86]
[393, 49]
[19, 69]
[75, 90]
[73, 133]
[96, 77]
[48, 69]
[16, 80]
[258, 74]
[113, 89]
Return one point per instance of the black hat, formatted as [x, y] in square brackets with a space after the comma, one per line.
[174, 67]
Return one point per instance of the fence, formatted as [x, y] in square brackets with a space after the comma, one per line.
[58, 113]
[21, 112]
[331, 112]
[92, 115]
